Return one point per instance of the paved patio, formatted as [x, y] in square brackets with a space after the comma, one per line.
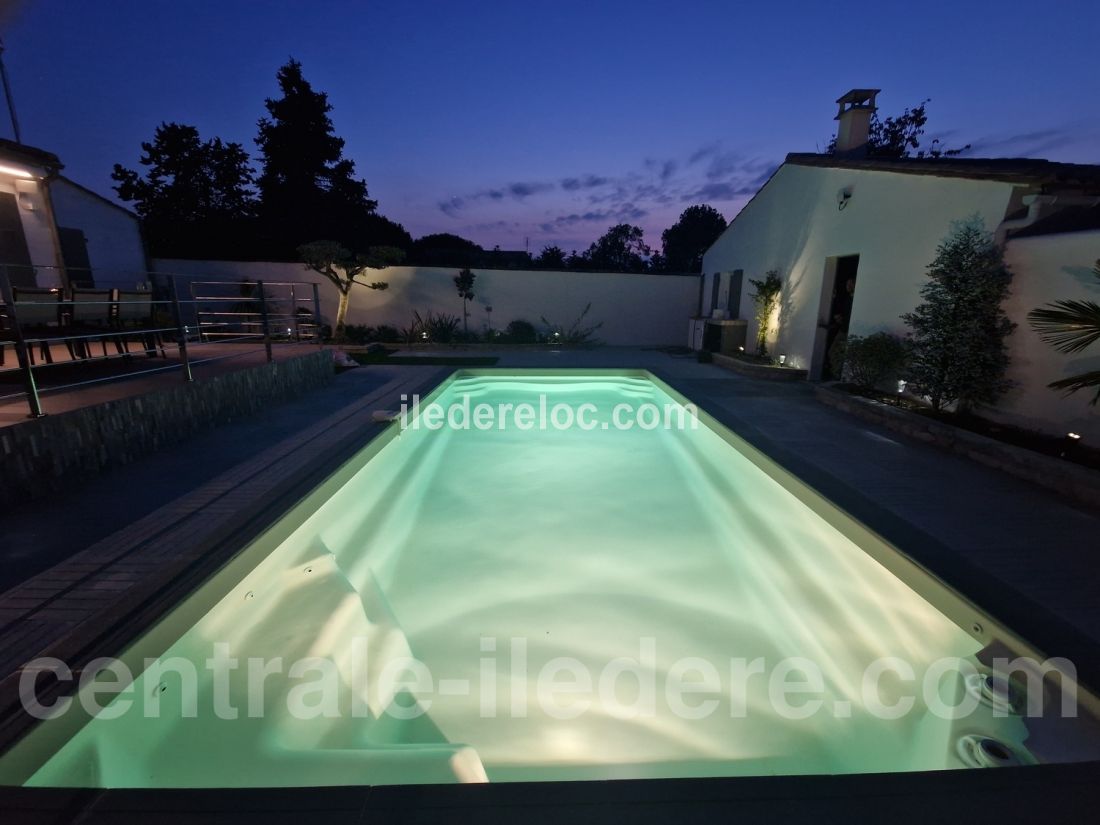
[1004, 535]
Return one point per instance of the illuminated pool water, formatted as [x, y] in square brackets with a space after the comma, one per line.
[492, 555]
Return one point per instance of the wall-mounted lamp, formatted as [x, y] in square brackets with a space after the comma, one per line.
[843, 196]
[26, 201]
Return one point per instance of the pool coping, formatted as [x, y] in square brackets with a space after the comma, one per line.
[949, 792]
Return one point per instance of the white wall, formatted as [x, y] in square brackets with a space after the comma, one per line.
[635, 309]
[893, 222]
[115, 248]
[1050, 268]
[37, 227]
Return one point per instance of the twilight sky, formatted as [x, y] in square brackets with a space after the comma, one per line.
[502, 121]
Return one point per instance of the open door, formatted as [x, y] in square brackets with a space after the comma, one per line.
[838, 289]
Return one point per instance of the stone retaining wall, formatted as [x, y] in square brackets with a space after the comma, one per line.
[765, 371]
[1079, 484]
[43, 455]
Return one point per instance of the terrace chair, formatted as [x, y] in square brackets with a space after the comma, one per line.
[134, 311]
[39, 313]
[90, 314]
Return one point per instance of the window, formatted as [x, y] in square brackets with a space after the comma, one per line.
[733, 299]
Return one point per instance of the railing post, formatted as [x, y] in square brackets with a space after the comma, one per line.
[263, 321]
[21, 354]
[317, 316]
[181, 331]
[294, 315]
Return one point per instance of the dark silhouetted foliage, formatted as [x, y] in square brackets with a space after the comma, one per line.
[444, 249]
[195, 199]
[520, 331]
[308, 189]
[684, 243]
[551, 257]
[874, 359]
[464, 283]
[899, 136]
[621, 249]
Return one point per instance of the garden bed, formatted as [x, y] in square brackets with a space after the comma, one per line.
[758, 367]
[1080, 484]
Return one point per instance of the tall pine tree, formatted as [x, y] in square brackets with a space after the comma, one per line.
[958, 332]
[195, 198]
[308, 189]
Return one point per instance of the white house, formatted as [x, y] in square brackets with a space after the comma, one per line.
[828, 223]
[54, 232]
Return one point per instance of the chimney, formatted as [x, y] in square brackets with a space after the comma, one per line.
[854, 118]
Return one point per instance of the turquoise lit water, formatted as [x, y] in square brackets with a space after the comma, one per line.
[489, 556]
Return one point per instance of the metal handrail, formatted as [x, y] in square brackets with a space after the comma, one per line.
[301, 328]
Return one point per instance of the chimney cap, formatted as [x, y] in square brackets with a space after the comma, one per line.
[857, 99]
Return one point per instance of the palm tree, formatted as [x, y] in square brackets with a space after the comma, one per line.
[1071, 326]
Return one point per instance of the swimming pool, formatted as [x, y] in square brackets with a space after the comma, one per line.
[511, 603]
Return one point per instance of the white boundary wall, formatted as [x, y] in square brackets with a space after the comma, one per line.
[636, 310]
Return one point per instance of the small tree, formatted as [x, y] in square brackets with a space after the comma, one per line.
[337, 263]
[1070, 327]
[764, 301]
[464, 281]
[958, 332]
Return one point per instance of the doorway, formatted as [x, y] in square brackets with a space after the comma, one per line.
[838, 287]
